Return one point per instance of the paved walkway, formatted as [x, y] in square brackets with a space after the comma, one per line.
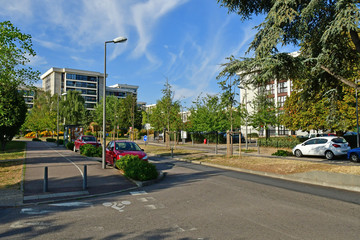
[65, 176]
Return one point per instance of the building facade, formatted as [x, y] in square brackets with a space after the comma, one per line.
[90, 84]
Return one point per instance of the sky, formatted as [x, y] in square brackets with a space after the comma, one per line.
[182, 41]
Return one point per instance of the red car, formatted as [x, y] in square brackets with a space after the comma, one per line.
[82, 140]
[117, 149]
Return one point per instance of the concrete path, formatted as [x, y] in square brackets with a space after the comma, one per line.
[65, 174]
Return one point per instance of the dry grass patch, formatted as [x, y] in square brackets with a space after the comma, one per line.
[10, 174]
[277, 166]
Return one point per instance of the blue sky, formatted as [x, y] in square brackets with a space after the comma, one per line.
[184, 41]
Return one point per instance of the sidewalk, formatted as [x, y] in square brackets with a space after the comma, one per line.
[65, 176]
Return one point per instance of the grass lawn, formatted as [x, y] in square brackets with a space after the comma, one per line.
[11, 165]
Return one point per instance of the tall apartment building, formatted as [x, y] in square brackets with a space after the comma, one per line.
[278, 90]
[88, 83]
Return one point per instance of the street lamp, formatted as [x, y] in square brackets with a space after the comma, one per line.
[246, 119]
[116, 40]
[357, 114]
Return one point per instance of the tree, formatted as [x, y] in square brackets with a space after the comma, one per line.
[265, 113]
[327, 33]
[43, 115]
[12, 112]
[208, 115]
[72, 108]
[15, 51]
[166, 113]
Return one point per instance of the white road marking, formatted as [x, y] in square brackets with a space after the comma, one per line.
[138, 193]
[36, 225]
[31, 211]
[71, 204]
[117, 206]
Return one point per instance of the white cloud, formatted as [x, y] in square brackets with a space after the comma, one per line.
[145, 16]
[36, 61]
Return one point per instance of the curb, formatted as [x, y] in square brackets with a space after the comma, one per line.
[306, 177]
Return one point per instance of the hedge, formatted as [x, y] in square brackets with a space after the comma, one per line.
[137, 169]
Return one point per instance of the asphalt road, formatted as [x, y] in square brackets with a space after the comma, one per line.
[195, 202]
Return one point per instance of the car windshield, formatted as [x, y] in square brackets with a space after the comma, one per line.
[339, 140]
[127, 146]
[89, 139]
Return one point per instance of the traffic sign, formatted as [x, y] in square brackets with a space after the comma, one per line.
[145, 138]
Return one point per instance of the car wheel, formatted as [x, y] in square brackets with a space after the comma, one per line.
[74, 148]
[354, 157]
[114, 162]
[298, 153]
[329, 155]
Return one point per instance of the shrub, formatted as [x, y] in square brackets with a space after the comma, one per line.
[90, 150]
[70, 145]
[283, 153]
[253, 135]
[36, 140]
[88, 133]
[279, 142]
[61, 141]
[136, 168]
[51, 140]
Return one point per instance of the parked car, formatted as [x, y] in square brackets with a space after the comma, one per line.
[85, 139]
[119, 148]
[354, 155]
[235, 137]
[328, 146]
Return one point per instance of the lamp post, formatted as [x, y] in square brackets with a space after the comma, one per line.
[246, 119]
[57, 121]
[357, 114]
[116, 40]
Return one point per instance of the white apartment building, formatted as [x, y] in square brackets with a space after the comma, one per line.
[279, 90]
[88, 83]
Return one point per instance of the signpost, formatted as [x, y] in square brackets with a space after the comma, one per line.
[145, 139]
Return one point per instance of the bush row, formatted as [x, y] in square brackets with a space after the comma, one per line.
[136, 168]
[279, 142]
[90, 150]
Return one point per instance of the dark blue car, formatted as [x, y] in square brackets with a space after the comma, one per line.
[354, 155]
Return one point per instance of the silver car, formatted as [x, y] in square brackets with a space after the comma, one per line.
[328, 146]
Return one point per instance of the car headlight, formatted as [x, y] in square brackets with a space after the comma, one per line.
[118, 157]
[145, 158]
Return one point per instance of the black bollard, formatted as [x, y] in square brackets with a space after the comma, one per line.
[85, 178]
[46, 182]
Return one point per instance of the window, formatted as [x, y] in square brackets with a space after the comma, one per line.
[270, 89]
[312, 141]
[321, 141]
[280, 101]
[282, 87]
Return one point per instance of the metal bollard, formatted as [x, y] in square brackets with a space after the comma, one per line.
[46, 182]
[172, 152]
[85, 178]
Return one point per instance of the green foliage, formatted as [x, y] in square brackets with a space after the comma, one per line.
[279, 142]
[326, 32]
[72, 108]
[88, 133]
[36, 140]
[70, 145]
[253, 135]
[264, 114]
[15, 51]
[12, 112]
[51, 139]
[122, 112]
[43, 115]
[61, 141]
[90, 150]
[166, 112]
[208, 115]
[136, 168]
[282, 153]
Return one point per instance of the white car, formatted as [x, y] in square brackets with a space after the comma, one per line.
[328, 146]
